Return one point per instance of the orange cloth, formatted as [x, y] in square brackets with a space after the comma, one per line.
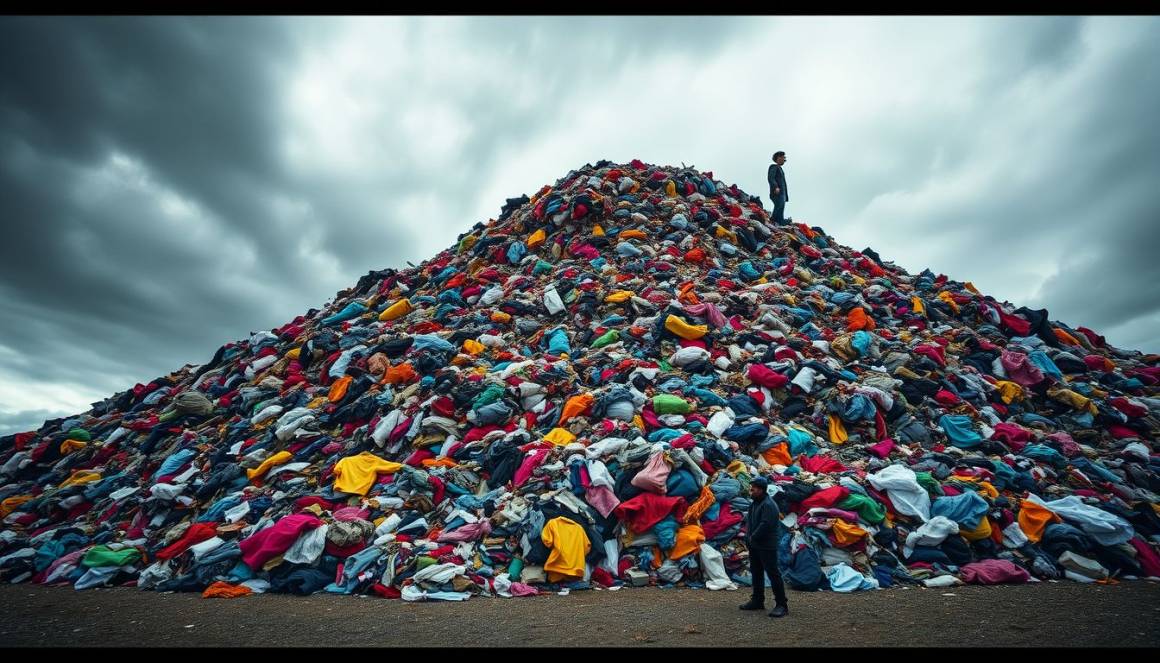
[401, 374]
[689, 540]
[338, 389]
[438, 462]
[857, 319]
[9, 505]
[632, 234]
[1033, 519]
[700, 506]
[396, 310]
[69, 446]
[778, 454]
[473, 346]
[576, 406]
[224, 590]
[846, 533]
[501, 317]
[537, 238]
[1064, 336]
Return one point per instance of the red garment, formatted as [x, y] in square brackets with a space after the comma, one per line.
[602, 577]
[826, 498]
[1012, 435]
[725, 519]
[647, 509]
[882, 449]
[276, 539]
[766, 377]
[308, 500]
[819, 464]
[197, 533]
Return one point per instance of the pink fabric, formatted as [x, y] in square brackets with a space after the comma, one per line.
[530, 463]
[993, 572]
[276, 539]
[352, 513]
[882, 449]
[654, 476]
[520, 589]
[469, 532]
[602, 499]
[1020, 369]
[709, 312]
[1146, 556]
[766, 377]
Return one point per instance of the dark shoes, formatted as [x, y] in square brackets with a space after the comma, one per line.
[753, 606]
[779, 611]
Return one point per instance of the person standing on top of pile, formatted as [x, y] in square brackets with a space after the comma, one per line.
[778, 191]
[762, 532]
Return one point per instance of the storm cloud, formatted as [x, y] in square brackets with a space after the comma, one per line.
[168, 184]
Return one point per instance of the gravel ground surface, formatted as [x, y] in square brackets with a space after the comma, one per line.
[1059, 614]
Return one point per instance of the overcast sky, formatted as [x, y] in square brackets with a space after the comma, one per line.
[169, 184]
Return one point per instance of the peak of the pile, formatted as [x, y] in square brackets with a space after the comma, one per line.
[580, 393]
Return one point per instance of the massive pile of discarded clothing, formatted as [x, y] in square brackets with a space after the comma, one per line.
[578, 395]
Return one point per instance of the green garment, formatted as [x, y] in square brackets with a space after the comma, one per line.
[610, 336]
[493, 393]
[867, 507]
[98, 556]
[670, 404]
[933, 488]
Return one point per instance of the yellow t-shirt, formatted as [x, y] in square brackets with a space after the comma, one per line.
[569, 545]
[356, 474]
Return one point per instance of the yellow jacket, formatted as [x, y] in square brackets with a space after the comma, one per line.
[356, 474]
[569, 545]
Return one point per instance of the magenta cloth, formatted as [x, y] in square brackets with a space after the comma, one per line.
[469, 532]
[1146, 556]
[520, 589]
[276, 539]
[524, 472]
[827, 497]
[602, 499]
[1012, 435]
[352, 513]
[640, 513]
[1019, 368]
[882, 449]
[708, 311]
[655, 475]
[993, 572]
[1068, 446]
[766, 377]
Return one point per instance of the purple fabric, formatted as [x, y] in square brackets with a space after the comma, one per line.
[1020, 369]
[993, 572]
[469, 532]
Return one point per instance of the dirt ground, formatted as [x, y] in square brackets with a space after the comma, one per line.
[1060, 614]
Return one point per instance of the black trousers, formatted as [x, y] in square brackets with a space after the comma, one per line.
[779, 210]
[763, 561]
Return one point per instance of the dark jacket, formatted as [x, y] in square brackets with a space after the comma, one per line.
[776, 177]
[763, 527]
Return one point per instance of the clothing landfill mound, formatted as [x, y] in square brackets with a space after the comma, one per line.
[577, 396]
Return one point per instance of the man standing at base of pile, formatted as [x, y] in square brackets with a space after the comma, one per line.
[762, 532]
[778, 191]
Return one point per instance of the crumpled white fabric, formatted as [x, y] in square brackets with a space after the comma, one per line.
[308, 546]
[931, 533]
[720, 422]
[209, 545]
[1107, 529]
[900, 483]
[713, 569]
[686, 356]
[413, 593]
[439, 573]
